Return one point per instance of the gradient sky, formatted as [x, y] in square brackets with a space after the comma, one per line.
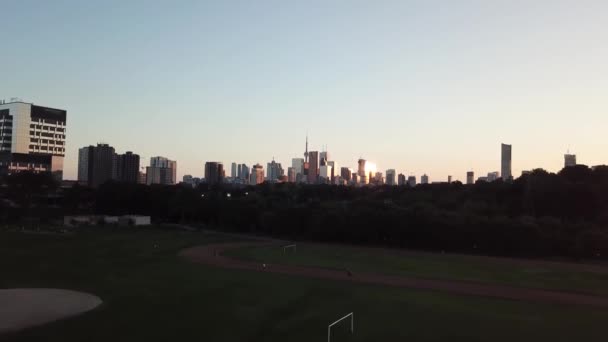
[419, 86]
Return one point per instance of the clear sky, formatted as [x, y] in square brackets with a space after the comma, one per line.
[419, 86]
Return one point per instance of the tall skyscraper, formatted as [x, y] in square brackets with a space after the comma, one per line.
[325, 172]
[411, 180]
[361, 167]
[161, 171]
[213, 172]
[401, 179]
[291, 175]
[233, 171]
[390, 177]
[505, 162]
[449, 179]
[257, 175]
[346, 173]
[313, 167]
[127, 167]
[298, 165]
[569, 160]
[96, 164]
[245, 173]
[274, 171]
[470, 177]
[32, 138]
[424, 179]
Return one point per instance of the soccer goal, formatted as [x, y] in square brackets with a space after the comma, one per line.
[288, 248]
[352, 325]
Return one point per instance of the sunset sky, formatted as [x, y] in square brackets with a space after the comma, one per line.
[419, 86]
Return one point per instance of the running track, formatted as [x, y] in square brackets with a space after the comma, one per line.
[213, 255]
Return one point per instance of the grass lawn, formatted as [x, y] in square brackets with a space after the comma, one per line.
[428, 265]
[152, 295]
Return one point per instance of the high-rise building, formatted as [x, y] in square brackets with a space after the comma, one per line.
[274, 171]
[161, 171]
[411, 180]
[354, 178]
[257, 175]
[401, 179]
[32, 138]
[492, 176]
[424, 179]
[569, 160]
[233, 171]
[313, 167]
[325, 172]
[291, 174]
[505, 162]
[470, 177]
[449, 179]
[141, 177]
[390, 177]
[127, 167]
[245, 173]
[346, 173]
[361, 167]
[96, 164]
[298, 165]
[334, 170]
[378, 179]
[213, 172]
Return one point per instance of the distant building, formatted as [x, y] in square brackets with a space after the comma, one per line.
[346, 173]
[493, 176]
[141, 178]
[482, 179]
[325, 172]
[257, 175]
[298, 166]
[505, 162]
[411, 180]
[233, 171]
[361, 167]
[313, 167]
[378, 179]
[213, 172]
[390, 177]
[96, 164]
[291, 174]
[32, 138]
[449, 179]
[401, 179]
[127, 167]
[274, 171]
[424, 179]
[470, 177]
[569, 160]
[354, 178]
[161, 171]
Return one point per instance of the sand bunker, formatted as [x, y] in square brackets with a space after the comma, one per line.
[24, 308]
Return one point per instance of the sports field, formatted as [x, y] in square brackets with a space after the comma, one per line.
[152, 294]
[568, 276]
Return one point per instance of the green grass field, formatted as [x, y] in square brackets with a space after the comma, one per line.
[150, 294]
[435, 266]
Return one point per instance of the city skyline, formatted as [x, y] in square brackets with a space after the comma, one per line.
[402, 85]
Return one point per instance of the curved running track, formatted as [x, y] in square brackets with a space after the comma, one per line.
[213, 255]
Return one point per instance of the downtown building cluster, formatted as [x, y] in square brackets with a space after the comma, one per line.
[33, 138]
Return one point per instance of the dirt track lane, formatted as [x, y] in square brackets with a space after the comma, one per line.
[212, 255]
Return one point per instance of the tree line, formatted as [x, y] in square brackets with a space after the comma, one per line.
[538, 214]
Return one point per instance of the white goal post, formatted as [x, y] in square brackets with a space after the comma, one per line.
[352, 325]
[285, 248]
